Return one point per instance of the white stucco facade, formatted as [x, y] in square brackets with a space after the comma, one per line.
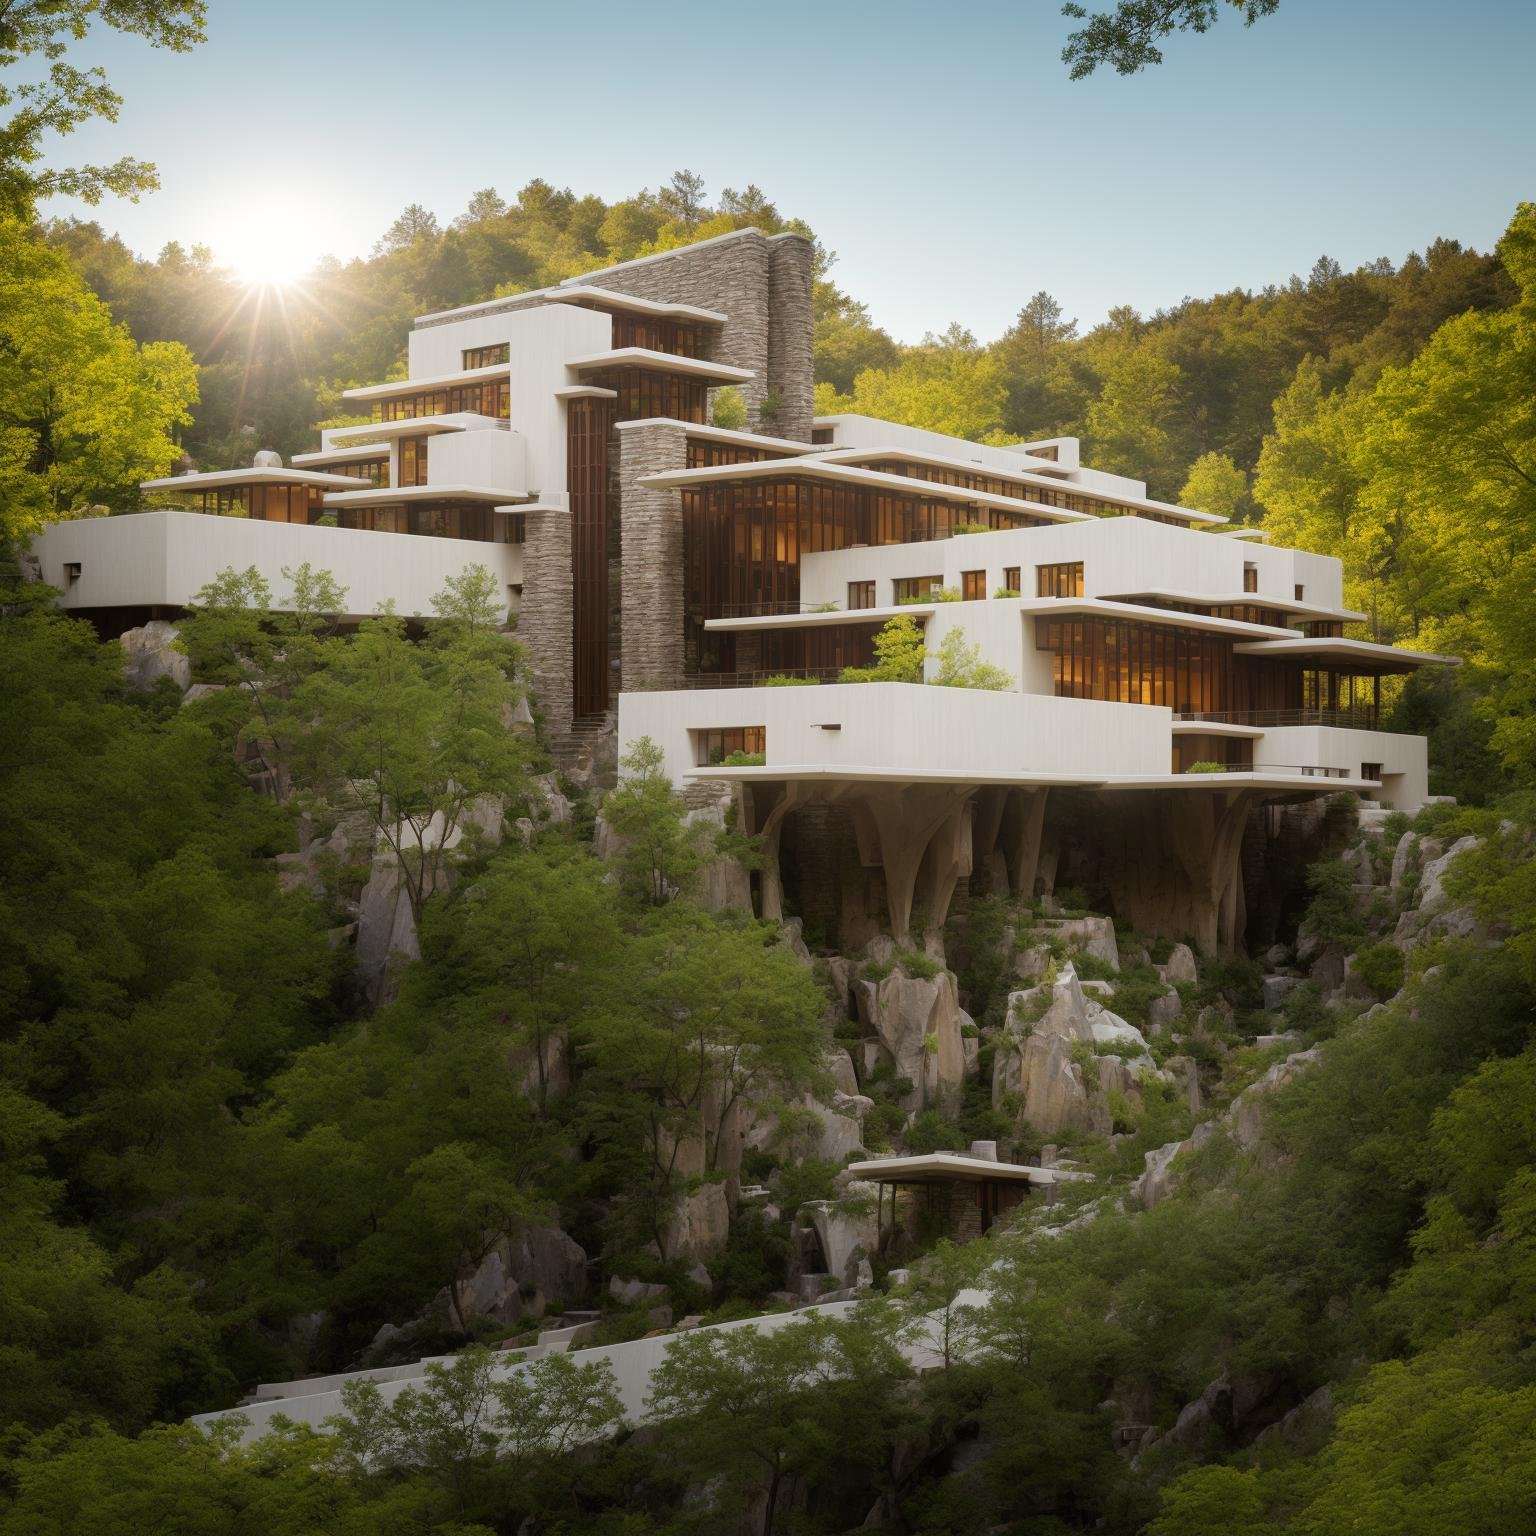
[163, 559]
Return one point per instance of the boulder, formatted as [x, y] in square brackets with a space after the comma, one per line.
[386, 929]
[522, 1276]
[846, 1229]
[1277, 989]
[1179, 966]
[634, 1293]
[1089, 936]
[1404, 858]
[700, 1225]
[1246, 1116]
[149, 653]
[1185, 1072]
[1031, 962]
[1432, 894]
[915, 1022]
[1034, 1061]
[1159, 1178]
[1163, 1012]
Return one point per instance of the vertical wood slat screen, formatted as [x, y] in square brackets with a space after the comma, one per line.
[587, 428]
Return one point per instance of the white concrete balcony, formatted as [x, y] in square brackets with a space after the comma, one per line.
[163, 559]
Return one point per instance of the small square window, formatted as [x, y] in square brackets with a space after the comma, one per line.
[1371, 771]
[71, 572]
[1301, 593]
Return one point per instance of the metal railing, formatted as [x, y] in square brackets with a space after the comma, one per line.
[1349, 719]
[1288, 770]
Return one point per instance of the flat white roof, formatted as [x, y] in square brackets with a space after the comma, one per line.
[942, 1167]
[213, 478]
[1028, 607]
[722, 434]
[587, 392]
[661, 362]
[417, 426]
[386, 495]
[1250, 599]
[360, 451]
[942, 461]
[751, 231]
[815, 467]
[1048, 473]
[563, 293]
[1349, 650]
[437, 381]
[1257, 778]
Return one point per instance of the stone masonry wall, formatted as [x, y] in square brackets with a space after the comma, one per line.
[651, 526]
[791, 327]
[544, 620]
[735, 275]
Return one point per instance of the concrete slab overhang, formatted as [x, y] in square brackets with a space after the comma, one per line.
[358, 451]
[1382, 658]
[956, 1167]
[814, 466]
[415, 426]
[1244, 599]
[1261, 779]
[1046, 474]
[216, 479]
[1028, 607]
[397, 387]
[388, 496]
[661, 362]
[575, 294]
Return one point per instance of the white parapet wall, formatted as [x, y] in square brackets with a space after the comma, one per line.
[1404, 760]
[163, 559]
[909, 729]
[1120, 556]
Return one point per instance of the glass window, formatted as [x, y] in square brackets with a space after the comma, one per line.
[973, 586]
[1059, 580]
[1011, 576]
[486, 357]
[861, 594]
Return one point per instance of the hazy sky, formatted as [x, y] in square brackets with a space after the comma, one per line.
[939, 149]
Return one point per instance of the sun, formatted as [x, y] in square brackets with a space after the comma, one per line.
[263, 252]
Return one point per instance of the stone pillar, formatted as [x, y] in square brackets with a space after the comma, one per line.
[791, 327]
[651, 544]
[544, 620]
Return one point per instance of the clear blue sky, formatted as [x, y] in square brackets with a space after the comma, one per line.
[938, 148]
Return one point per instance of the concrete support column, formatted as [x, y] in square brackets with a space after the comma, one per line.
[544, 619]
[1022, 823]
[651, 558]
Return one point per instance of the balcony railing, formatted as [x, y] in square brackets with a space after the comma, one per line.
[1364, 719]
[1288, 770]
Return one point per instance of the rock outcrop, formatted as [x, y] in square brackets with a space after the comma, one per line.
[846, 1230]
[916, 1023]
[538, 1270]
[149, 653]
[700, 1225]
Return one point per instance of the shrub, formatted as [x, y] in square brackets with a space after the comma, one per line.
[917, 964]
[745, 760]
[1084, 1056]
[931, 1132]
[1206, 767]
[947, 595]
[824, 608]
[1331, 914]
[728, 409]
[899, 654]
[960, 666]
[971, 528]
[787, 680]
[1007, 592]
[1380, 967]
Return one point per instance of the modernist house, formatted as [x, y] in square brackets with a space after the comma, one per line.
[1164, 675]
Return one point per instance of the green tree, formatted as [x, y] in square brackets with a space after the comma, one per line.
[960, 665]
[1216, 484]
[85, 414]
[899, 654]
[1127, 36]
[39, 33]
[768, 1408]
[662, 851]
